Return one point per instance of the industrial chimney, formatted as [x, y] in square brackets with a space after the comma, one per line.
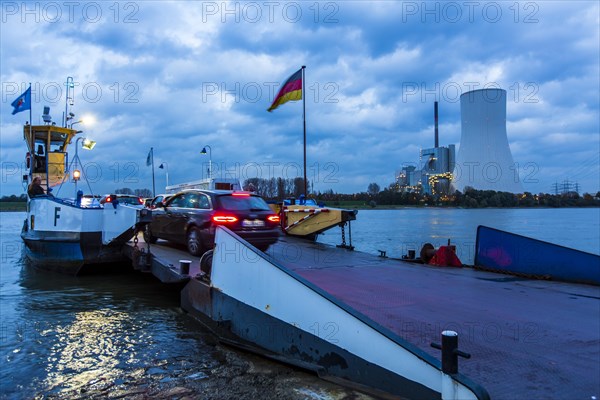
[435, 117]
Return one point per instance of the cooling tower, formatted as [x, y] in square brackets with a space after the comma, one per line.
[484, 161]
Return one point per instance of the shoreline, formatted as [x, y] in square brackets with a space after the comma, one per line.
[13, 206]
[399, 207]
[22, 207]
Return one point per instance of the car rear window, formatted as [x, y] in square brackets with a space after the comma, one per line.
[231, 202]
[129, 200]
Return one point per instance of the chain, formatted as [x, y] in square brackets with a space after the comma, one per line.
[343, 234]
[135, 238]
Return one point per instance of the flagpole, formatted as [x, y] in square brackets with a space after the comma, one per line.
[31, 135]
[30, 107]
[304, 123]
[152, 157]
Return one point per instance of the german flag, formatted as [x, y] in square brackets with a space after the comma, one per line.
[291, 91]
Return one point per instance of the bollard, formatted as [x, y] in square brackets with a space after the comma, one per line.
[184, 267]
[449, 356]
[450, 352]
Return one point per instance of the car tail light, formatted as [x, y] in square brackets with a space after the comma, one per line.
[274, 218]
[110, 198]
[240, 194]
[140, 200]
[224, 219]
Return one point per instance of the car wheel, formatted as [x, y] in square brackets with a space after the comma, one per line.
[148, 238]
[194, 242]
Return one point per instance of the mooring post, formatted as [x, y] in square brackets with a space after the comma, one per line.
[450, 354]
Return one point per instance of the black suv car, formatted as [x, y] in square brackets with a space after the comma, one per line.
[192, 216]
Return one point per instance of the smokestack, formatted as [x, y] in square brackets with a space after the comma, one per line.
[435, 116]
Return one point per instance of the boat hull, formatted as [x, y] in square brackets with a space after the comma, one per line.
[68, 252]
[63, 237]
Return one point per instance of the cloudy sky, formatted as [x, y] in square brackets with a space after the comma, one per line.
[177, 76]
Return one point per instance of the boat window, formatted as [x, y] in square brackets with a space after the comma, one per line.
[56, 146]
[223, 186]
[40, 148]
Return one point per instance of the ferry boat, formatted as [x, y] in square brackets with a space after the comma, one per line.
[65, 233]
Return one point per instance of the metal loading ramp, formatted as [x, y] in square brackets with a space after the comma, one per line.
[529, 339]
[288, 310]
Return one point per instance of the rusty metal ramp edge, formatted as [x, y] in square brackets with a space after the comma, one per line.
[263, 303]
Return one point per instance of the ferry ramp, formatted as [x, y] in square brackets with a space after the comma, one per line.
[528, 339]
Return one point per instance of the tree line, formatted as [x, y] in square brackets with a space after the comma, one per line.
[470, 198]
[278, 189]
[13, 198]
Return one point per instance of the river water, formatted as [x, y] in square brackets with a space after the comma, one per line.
[397, 231]
[121, 334]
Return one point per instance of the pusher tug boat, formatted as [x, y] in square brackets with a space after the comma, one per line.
[65, 233]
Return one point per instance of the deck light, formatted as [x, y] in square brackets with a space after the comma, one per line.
[88, 144]
[86, 120]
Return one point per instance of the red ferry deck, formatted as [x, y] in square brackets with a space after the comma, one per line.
[528, 339]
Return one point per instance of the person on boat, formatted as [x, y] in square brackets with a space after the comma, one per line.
[35, 187]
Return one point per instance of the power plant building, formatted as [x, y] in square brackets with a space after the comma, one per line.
[436, 171]
[484, 160]
[435, 175]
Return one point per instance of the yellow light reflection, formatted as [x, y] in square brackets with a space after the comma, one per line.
[86, 350]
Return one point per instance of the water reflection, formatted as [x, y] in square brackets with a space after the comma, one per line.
[62, 333]
[88, 349]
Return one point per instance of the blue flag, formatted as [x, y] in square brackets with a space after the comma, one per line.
[150, 157]
[23, 102]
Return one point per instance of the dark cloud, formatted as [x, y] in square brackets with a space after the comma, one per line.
[179, 75]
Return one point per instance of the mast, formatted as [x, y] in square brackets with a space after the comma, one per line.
[69, 98]
[304, 124]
